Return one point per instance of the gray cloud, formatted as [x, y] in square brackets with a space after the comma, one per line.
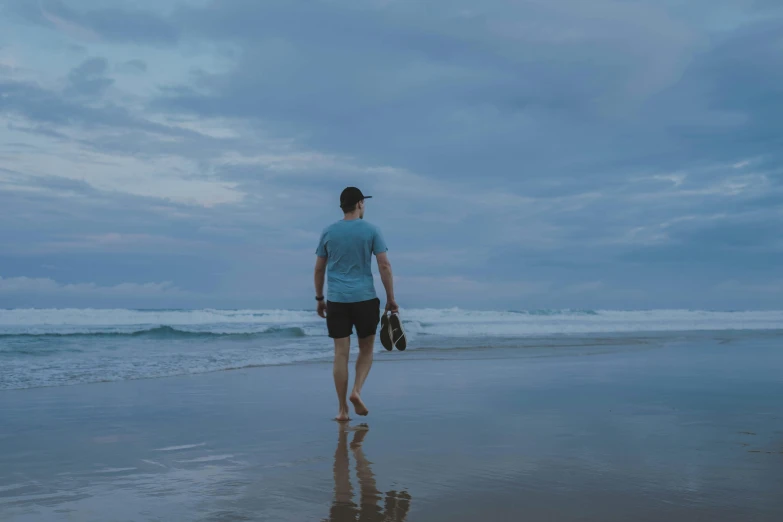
[522, 98]
[444, 91]
[43, 105]
[89, 78]
[48, 286]
[133, 66]
[110, 24]
[47, 292]
[49, 112]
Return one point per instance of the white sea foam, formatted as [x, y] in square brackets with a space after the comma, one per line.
[450, 322]
[464, 323]
[209, 458]
[183, 447]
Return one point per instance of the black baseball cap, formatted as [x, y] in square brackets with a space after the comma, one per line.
[351, 196]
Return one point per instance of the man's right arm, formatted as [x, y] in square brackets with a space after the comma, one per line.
[385, 269]
[320, 278]
[320, 273]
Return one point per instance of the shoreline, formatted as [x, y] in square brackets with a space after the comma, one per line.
[423, 348]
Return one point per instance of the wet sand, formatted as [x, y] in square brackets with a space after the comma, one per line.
[677, 430]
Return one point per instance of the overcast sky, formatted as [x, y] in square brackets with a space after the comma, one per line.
[521, 153]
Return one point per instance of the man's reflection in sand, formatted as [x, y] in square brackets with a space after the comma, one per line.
[395, 505]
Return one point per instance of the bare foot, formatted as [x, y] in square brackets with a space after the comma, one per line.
[342, 417]
[358, 437]
[358, 405]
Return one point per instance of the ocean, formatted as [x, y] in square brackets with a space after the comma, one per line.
[60, 347]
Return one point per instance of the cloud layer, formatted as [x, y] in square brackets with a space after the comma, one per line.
[522, 154]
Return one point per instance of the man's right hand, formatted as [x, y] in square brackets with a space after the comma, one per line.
[322, 309]
[391, 306]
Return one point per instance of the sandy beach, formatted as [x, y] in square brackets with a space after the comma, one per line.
[682, 429]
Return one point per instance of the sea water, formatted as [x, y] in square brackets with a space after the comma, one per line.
[58, 347]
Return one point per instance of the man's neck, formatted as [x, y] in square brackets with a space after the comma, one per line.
[352, 216]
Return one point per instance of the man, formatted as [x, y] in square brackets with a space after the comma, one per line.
[344, 254]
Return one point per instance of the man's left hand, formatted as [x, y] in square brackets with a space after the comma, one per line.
[322, 309]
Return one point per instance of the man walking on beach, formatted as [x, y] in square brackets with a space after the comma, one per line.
[344, 255]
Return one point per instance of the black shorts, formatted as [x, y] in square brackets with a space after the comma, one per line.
[342, 317]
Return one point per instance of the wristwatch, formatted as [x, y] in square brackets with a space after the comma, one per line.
[319, 298]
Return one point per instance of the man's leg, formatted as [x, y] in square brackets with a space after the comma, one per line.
[343, 507]
[368, 490]
[342, 348]
[363, 365]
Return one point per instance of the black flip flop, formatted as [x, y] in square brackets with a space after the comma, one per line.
[386, 332]
[397, 333]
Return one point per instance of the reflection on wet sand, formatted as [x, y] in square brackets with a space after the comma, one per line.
[395, 505]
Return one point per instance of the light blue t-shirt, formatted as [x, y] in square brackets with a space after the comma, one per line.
[349, 246]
